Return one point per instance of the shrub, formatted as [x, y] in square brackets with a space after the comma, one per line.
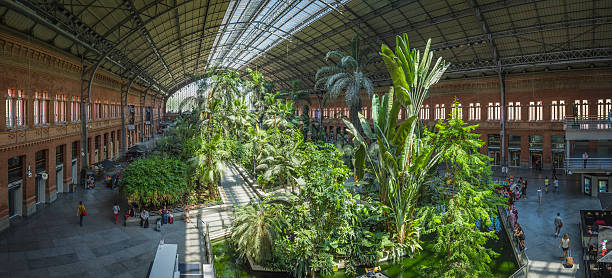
[155, 181]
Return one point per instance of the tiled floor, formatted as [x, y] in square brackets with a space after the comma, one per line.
[537, 222]
[51, 244]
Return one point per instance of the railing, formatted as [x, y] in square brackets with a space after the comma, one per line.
[208, 267]
[521, 256]
[587, 122]
[590, 164]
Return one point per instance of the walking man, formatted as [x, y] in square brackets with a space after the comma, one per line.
[585, 156]
[81, 212]
[556, 184]
[558, 224]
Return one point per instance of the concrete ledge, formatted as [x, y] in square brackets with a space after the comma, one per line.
[52, 197]
[29, 210]
[5, 223]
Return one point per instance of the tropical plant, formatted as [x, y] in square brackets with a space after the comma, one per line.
[254, 230]
[155, 181]
[347, 76]
[403, 162]
[463, 199]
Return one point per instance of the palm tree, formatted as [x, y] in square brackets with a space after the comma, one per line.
[347, 76]
[254, 230]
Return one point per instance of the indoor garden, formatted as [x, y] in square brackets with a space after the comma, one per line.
[414, 199]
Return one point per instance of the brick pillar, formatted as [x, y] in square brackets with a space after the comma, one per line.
[525, 151]
[51, 188]
[68, 109]
[51, 110]
[90, 145]
[592, 148]
[106, 145]
[29, 107]
[4, 210]
[546, 151]
[68, 166]
[3, 97]
[29, 183]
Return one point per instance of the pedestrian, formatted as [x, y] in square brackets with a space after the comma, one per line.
[558, 224]
[556, 184]
[512, 216]
[186, 211]
[116, 211]
[540, 195]
[524, 188]
[565, 245]
[164, 213]
[81, 212]
[518, 232]
[585, 157]
[144, 218]
[546, 184]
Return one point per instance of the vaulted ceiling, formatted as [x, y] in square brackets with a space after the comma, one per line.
[163, 43]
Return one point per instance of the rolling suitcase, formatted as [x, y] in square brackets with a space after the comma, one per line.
[569, 262]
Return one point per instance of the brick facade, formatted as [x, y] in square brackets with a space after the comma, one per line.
[30, 68]
[524, 88]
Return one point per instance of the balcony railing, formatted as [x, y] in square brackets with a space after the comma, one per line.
[596, 164]
[587, 122]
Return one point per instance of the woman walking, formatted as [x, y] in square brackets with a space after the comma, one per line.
[81, 212]
[565, 245]
[116, 211]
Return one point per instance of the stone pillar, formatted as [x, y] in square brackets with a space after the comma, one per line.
[29, 183]
[51, 186]
[4, 209]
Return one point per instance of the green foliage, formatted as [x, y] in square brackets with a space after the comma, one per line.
[155, 181]
[463, 198]
[347, 76]
[254, 230]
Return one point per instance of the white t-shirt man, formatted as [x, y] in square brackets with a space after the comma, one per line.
[116, 209]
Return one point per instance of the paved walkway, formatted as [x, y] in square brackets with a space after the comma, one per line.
[537, 222]
[51, 244]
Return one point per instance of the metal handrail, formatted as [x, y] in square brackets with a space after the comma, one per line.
[576, 163]
[521, 256]
[587, 122]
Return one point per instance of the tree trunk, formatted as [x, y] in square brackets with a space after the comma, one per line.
[354, 110]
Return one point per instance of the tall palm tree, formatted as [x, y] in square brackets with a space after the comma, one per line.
[254, 230]
[347, 76]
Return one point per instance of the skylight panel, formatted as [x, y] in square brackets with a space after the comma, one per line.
[256, 26]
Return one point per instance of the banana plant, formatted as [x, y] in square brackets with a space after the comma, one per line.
[403, 162]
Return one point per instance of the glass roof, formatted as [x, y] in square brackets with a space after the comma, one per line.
[254, 26]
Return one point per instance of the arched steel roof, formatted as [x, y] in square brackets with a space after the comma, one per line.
[167, 41]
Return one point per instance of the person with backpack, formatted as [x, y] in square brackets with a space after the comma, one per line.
[81, 212]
